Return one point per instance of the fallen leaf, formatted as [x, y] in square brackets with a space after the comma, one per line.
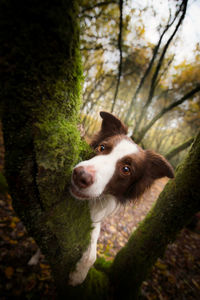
[13, 242]
[13, 225]
[9, 271]
[160, 265]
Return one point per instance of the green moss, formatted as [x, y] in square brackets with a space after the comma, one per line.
[58, 146]
[58, 149]
[103, 265]
[69, 221]
[96, 286]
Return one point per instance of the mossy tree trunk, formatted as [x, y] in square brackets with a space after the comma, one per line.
[41, 71]
[40, 95]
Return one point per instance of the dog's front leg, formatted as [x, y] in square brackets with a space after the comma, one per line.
[87, 260]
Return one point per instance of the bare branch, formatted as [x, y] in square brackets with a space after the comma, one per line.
[187, 96]
[183, 8]
[179, 148]
[98, 5]
[147, 71]
[120, 53]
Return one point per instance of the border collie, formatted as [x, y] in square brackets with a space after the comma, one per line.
[119, 172]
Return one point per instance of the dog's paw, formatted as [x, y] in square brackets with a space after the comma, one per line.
[82, 267]
[35, 258]
[76, 277]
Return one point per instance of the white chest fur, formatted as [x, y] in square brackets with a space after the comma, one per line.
[102, 207]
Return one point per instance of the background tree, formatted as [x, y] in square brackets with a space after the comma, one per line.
[149, 72]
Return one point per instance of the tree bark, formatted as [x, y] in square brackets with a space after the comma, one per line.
[179, 148]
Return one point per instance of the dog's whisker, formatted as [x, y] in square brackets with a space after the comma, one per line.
[99, 198]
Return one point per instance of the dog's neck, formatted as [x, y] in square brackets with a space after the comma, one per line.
[102, 207]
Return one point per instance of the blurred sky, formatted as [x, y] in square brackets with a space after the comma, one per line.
[189, 32]
[191, 28]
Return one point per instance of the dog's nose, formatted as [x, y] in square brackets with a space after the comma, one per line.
[82, 177]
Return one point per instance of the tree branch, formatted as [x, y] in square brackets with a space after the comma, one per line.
[139, 136]
[183, 7]
[98, 5]
[147, 71]
[93, 89]
[120, 54]
[179, 148]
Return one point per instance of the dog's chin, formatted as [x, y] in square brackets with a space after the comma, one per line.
[78, 194]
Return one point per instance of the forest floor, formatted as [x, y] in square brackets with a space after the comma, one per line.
[175, 276]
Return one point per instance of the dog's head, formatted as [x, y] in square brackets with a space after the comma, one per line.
[120, 168]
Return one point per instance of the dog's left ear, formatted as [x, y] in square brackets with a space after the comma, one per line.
[110, 126]
[158, 166]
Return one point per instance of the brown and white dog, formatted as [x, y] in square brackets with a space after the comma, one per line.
[120, 171]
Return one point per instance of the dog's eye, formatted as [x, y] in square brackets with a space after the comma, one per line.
[126, 170]
[100, 148]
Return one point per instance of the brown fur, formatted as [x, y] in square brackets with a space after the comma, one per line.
[146, 166]
[110, 126]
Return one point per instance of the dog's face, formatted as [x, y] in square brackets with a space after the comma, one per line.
[120, 168]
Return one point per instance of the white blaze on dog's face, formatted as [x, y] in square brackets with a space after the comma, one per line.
[120, 168]
[102, 167]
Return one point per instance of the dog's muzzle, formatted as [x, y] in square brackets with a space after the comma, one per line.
[83, 177]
